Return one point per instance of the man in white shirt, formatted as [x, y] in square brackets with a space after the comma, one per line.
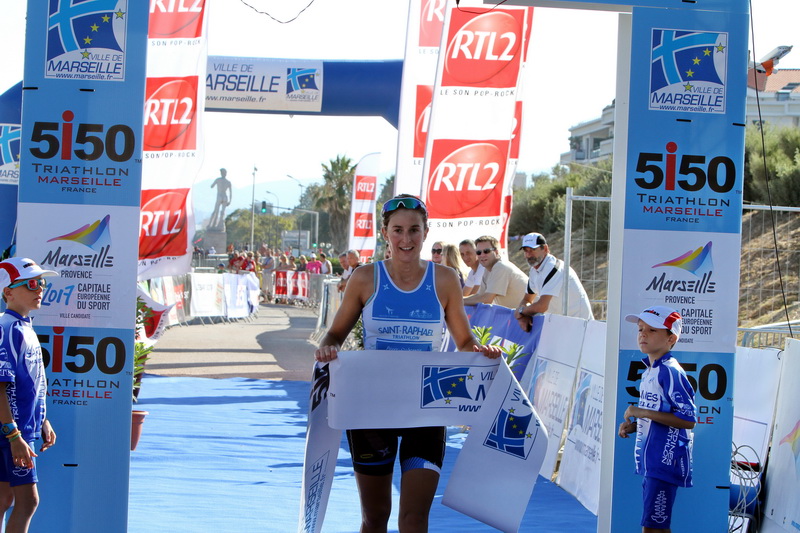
[545, 285]
[466, 249]
[503, 281]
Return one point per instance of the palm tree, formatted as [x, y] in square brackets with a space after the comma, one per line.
[334, 196]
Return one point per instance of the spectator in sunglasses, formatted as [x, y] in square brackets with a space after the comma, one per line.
[436, 252]
[502, 283]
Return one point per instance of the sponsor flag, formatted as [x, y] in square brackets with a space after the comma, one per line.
[175, 92]
[363, 227]
[467, 170]
[155, 319]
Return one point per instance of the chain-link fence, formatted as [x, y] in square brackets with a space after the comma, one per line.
[762, 285]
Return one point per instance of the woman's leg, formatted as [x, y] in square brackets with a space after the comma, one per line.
[375, 493]
[417, 489]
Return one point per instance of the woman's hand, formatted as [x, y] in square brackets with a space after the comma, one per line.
[326, 354]
[491, 351]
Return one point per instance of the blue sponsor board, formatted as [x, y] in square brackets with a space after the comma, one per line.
[81, 147]
[686, 130]
[703, 506]
[89, 382]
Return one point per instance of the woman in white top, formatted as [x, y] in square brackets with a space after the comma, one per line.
[406, 279]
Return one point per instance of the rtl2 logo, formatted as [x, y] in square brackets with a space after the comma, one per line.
[431, 22]
[87, 142]
[82, 353]
[467, 178]
[169, 114]
[364, 225]
[163, 228]
[173, 19]
[484, 50]
[365, 187]
[664, 170]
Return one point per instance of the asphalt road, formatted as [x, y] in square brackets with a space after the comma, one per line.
[274, 345]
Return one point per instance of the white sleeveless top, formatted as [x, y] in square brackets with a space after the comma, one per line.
[395, 319]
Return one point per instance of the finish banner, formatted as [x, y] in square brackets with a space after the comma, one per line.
[363, 228]
[496, 470]
[176, 62]
[466, 171]
[80, 177]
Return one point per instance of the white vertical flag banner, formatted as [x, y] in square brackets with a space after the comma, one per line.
[177, 60]
[466, 169]
[362, 211]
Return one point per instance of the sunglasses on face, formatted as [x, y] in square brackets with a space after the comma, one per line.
[405, 203]
[436, 250]
[33, 284]
[486, 251]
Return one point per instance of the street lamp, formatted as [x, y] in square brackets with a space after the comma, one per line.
[253, 210]
[278, 200]
[302, 187]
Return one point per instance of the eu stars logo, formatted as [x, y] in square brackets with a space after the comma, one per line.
[688, 71]
[86, 40]
[459, 387]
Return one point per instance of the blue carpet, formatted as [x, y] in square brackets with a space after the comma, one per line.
[227, 455]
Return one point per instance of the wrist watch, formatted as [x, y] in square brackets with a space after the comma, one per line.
[520, 309]
[8, 429]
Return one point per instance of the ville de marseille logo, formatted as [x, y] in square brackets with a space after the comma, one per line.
[86, 39]
[515, 427]
[9, 144]
[688, 71]
[301, 84]
[95, 235]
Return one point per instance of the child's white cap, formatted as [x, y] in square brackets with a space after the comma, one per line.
[16, 268]
[660, 317]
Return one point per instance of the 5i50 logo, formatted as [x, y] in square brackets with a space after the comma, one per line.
[87, 142]
[686, 172]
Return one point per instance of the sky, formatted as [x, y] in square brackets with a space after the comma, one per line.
[572, 70]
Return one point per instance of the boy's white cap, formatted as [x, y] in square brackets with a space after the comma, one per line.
[533, 240]
[16, 268]
[660, 317]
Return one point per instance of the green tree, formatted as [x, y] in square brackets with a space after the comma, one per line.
[779, 152]
[333, 197]
[266, 227]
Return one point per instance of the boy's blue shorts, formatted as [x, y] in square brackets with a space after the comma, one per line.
[658, 497]
[15, 475]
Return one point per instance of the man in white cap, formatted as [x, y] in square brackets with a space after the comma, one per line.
[545, 285]
[23, 389]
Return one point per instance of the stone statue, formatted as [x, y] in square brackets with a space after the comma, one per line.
[224, 198]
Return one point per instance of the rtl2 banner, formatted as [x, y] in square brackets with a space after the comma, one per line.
[175, 93]
[472, 122]
[362, 212]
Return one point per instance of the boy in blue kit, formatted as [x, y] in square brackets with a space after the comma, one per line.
[663, 420]
[23, 390]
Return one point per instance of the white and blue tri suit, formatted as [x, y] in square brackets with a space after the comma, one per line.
[22, 369]
[664, 452]
[395, 319]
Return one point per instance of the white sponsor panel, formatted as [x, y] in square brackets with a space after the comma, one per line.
[553, 378]
[236, 296]
[758, 373]
[678, 270]
[579, 472]
[252, 84]
[208, 297]
[87, 244]
[783, 474]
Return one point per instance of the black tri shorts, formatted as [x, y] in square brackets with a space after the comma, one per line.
[374, 450]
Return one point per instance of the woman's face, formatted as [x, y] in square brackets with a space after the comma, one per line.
[405, 233]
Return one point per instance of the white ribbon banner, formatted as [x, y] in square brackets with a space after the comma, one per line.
[495, 473]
